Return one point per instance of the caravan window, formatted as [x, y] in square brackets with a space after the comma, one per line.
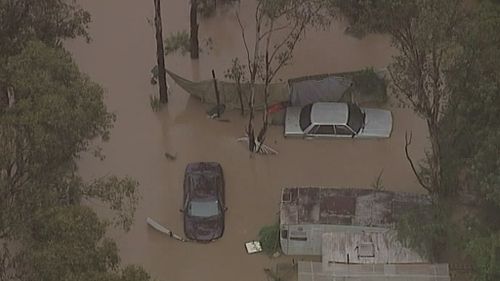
[298, 235]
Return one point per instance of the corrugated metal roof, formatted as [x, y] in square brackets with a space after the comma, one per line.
[313, 271]
[367, 247]
[357, 207]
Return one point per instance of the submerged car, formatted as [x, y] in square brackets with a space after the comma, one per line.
[204, 204]
[333, 119]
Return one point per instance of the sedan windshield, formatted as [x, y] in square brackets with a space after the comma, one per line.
[356, 118]
[305, 117]
[204, 209]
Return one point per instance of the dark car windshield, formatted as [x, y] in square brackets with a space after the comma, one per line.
[356, 118]
[199, 180]
[305, 117]
[204, 209]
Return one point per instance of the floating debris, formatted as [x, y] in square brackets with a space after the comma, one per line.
[216, 111]
[262, 148]
[164, 230]
[170, 156]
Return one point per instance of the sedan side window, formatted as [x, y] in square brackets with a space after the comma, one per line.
[322, 130]
[343, 130]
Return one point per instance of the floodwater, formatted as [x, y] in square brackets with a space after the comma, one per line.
[120, 58]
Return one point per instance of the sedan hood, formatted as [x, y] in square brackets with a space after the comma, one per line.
[292, 122]
[378, 123]
[204, 229]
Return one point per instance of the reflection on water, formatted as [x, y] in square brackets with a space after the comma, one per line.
[120, 58]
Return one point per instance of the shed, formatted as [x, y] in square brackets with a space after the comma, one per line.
[306, 213]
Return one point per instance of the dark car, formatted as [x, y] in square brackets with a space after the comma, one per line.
[204, 204]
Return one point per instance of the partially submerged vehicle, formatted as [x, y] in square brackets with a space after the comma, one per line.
[337, 119]
[204, 201]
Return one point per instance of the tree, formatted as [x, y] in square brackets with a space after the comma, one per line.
[471, 138]
[160, 54]
[56, 114]
[69, 243]
[425, 33]
[49, 21]
[237, 73]
[195, 48]
[269, 54]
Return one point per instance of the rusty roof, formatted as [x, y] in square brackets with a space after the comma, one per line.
[359, 207]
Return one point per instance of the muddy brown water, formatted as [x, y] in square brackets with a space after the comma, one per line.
[120, 58]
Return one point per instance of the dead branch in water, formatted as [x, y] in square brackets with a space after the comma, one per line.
[259, 147]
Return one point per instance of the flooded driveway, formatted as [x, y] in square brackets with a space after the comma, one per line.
[120, 58]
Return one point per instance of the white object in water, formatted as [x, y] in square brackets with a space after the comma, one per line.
[253, 247]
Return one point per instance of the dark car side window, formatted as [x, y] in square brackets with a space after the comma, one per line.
[305, 117]
[355, 118]
[343, 130]
[323, 130]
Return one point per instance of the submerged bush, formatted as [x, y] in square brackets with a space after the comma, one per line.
[369, 85]
[269, 238]
[178, 41]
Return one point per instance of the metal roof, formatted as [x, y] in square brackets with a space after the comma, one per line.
[329, 113]
[365, 247]
[314, 271]
[356, 207]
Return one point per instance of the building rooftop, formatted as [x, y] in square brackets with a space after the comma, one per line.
[365, 247]
[351, 207]
[313, 271]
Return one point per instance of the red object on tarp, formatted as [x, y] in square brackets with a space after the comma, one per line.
[276, 107]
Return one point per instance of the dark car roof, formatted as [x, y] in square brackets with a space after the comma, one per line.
[203, 179]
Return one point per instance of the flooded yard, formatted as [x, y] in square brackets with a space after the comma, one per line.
[120, 58]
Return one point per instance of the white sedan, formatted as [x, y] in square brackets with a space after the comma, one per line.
[333, 119]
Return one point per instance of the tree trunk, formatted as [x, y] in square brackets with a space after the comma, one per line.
[240, 95]
[434, 161]
[195, 49]
[217, 96]
[160, 54]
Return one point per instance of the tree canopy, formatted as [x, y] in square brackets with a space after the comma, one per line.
[448, 71]
[50, 113]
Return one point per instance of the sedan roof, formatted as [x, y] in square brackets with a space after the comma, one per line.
[328, 113]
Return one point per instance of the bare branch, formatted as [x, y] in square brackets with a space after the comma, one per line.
[408, 138]
[244, 38]
[273, 30]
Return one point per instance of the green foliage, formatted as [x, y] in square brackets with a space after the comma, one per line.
[52, 114]
[269, 237]
[47, 20]
[57, 112]
[119, 194]
[207, 8]
[471, 127]
[134, 273]
[369, 85]
[482, 242]
[429, 231]
[236, 72]
[69, 244]
[155, 103]
[178, 41]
